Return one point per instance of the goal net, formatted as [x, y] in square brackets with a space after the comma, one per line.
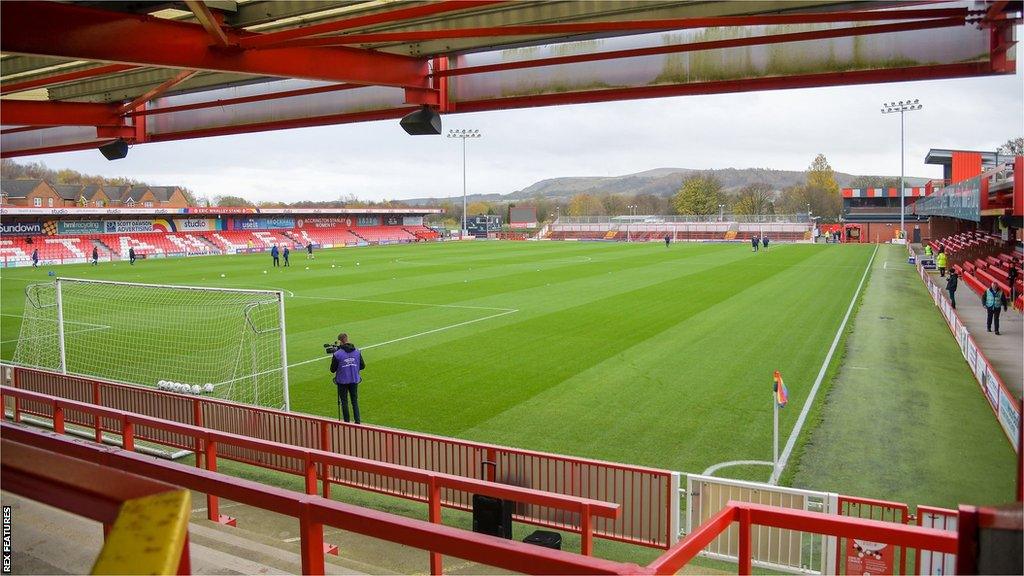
[217, 342]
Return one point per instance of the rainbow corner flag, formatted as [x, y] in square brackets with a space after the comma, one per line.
[781, 394]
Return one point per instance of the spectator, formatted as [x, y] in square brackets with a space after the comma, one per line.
[951, 283]
[940, 261]
[345, 365]
[993, 299]
[274, 254]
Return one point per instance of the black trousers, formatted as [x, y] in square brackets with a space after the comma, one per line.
[993, 316]
[952, 297]
[346, 391]
[277, 261]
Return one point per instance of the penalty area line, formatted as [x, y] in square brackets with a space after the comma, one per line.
[417, 335]
[791, 442]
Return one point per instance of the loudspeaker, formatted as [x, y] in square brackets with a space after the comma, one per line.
[492, 516]
[424, 121]
[115, 150]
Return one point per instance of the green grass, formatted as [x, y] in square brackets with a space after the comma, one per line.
[632, 353]
[905, 420]
[627, 352]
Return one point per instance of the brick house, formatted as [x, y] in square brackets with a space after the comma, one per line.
[32, 193]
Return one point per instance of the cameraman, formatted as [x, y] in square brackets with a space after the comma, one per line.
[346, 363]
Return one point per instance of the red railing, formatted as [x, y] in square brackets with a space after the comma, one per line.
[882, 510]
[211, 442]
[92, 491]
[647, 497]
[314, 513]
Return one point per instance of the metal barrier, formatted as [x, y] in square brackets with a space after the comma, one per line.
[314, 513]
[647, 497]
[936, 563]
[772, 548]
[126, 504]
[212, 442]
[880, 510]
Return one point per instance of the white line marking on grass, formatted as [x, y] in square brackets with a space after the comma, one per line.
[434, 331]
[715, 468]
[66, 321]
[464, 307]
[885, 265]
[784, 458]
[54, 335]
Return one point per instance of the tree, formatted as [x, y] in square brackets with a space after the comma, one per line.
[231, 201]
[614, 204]
[585, 205]
[478, 207]
[753, 199]
[700, 194]
[821, 176]
[1013, 146]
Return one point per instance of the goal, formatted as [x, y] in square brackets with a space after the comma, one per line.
[219, 342]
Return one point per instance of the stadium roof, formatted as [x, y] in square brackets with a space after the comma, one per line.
[76, 75]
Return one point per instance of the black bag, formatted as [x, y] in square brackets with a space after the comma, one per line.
[545, 539]
[492, 516]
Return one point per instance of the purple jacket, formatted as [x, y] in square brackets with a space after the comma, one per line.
[346, 364]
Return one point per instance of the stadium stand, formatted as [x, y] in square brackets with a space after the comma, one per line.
[380, 234]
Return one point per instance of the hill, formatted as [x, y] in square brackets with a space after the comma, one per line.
[659, 182]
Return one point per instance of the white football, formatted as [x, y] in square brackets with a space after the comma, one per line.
[222, 275]
[357, 263]
[161, 384]
[196, 389]
[264, 271]
[332, 265]
[208, 388]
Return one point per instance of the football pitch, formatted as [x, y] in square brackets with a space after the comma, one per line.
[634, 353]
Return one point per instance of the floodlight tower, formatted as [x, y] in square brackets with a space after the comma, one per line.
[463, 135]
[632, 212]
[902, 107]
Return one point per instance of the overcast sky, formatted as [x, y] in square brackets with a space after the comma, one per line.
[778, 129]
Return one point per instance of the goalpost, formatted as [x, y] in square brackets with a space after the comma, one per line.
[220, 342]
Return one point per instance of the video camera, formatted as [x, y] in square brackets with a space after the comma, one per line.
[331, 348]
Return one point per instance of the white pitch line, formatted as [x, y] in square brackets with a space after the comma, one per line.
[55, 335]
[461, 306]
[434, 331]
[784, 458]
[66, 321]
[716, 467]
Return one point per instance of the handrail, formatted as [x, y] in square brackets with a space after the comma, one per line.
[315, 512]
[117, 499]
[655, 508]
[749, 515]
[313, 458]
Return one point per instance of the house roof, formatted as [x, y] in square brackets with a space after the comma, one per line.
[19, 188]
[68, 191]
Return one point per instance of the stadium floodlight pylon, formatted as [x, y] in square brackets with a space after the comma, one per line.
[143, 334]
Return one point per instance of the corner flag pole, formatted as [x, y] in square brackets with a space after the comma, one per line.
[775, 433]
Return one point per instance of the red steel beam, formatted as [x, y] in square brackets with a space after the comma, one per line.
[210, 22]
[627, 26]
[710, 45]
[727, 86]
[156, 91]
[274, 38]
[71, 31]
[43, 113]
[66, 77]
[245, 99]
[53, 149]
